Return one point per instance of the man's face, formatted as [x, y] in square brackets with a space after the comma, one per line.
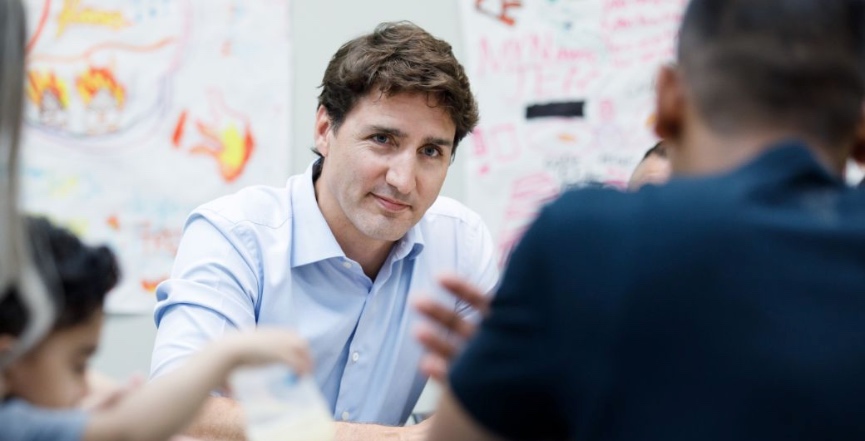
[384, 166]
[52, 375]
[655, 169]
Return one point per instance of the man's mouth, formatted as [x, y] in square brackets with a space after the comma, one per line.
[391, 204]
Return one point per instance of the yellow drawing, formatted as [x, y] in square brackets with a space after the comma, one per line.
[74, 13]
[229, 147]
[50, 95]
[104, 97]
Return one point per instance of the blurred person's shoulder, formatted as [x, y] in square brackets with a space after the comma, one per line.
[607, 207]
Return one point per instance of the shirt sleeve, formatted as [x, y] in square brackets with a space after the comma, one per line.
[506, 378]
[214, 287]
[483, 270]
[21, 422]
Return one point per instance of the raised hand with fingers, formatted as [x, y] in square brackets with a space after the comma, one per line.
[451, 327]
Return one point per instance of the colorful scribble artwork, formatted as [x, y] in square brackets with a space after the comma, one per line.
[140, 110]
[226, 137]
[499, 9]
[566, 94]
[50, 97]
[103, 97]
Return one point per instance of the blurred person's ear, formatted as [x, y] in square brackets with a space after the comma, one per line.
[670, 103]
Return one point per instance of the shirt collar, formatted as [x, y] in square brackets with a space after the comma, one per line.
[411, 244]
[789, 159]
[311, 238]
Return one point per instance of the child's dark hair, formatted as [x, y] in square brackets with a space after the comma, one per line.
[78, 275]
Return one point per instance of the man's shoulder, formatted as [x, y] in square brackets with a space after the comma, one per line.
[450, 212]
[257, 205]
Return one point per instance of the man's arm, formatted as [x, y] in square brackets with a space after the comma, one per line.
[212, 289]
[372, 432]
[222, 419]
[453, 423]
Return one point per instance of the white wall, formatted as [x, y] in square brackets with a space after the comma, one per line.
[319, 28]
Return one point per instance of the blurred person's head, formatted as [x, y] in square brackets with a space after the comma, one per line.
[17, 275]
[654, 168]
[52, 374]
[752, 73]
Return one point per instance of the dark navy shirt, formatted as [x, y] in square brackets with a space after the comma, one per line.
[722, 308]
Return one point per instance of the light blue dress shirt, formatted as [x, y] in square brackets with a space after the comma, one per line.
[265, 256]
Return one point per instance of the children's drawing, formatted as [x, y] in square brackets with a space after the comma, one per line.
[137, 111]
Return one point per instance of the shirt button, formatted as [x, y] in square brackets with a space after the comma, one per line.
[346, 264]
[345, 416]
[355, 357]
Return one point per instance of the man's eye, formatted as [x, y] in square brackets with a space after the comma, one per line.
[380, 139]
[431, 151]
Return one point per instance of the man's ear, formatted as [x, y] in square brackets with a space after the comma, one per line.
[858, 152]
[670, 103]
[323, 128]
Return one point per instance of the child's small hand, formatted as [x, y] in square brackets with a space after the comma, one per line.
[263, 346]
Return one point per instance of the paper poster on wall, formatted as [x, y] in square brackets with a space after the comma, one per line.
[566, 96]
[137, 111]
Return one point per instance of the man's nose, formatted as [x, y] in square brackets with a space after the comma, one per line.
[401, 172]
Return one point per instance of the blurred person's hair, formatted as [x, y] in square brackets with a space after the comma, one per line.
[17, 273]
[658, 149]
[85, 275]
[776, 64]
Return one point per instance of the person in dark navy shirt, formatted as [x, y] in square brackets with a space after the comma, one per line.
[728, 304]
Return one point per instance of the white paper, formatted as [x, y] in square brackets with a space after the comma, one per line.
[140, 110]
[602, 53]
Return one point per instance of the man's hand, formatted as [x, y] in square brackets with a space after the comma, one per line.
[442, 347]
[364, 432]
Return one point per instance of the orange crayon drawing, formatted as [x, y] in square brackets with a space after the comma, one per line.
[227, 137]
[74, 13]
[159, 240]
[150, 285]
[114, 222]
[50, 95]
[104, 97]
[567, 137]
[100, 80]
[229, 147]
[179, 130]
[501, 13]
